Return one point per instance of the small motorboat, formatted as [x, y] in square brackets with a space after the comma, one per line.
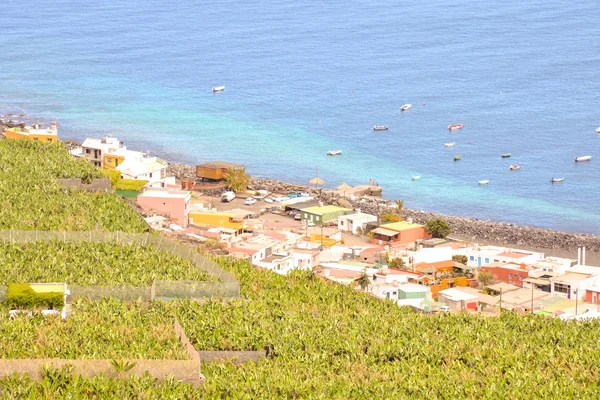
[457, 157]
[416, 177]
[597, 130]
[380, 128]
[484, 182]
[218, 89]
[505, 155]
[449, 144]
[454, 127]
[405, 107]
[334, 152]
[583, 158]
[557, 180]
[514, 167]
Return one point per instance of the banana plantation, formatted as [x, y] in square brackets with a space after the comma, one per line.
[30, 198]
[93, 263]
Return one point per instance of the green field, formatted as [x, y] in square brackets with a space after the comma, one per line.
[92, 263]
[31, 199]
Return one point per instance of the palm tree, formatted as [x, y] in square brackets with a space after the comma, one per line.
[363, 281]
[399, 206]
[237, 179]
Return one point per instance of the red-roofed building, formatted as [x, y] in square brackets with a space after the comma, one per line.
[389, 275]
[434, 268]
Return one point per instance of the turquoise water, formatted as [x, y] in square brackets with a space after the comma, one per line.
[303, 78]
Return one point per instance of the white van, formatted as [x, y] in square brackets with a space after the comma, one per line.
[227, 196]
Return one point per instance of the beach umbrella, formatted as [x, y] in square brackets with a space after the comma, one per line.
[316, 181]
[344, 186]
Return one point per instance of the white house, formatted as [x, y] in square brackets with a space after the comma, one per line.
[352, 222]
[458, 300]
[280, 263]
[305, 258]
[478, 256]
[138, 167]
[94, 149]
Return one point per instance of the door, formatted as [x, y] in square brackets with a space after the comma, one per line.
[594, 298]
[479, 261]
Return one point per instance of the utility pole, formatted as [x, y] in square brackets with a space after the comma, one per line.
[532, 297]
[576, 298]
[500, 299]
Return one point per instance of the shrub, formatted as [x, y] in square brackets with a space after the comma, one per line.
[390, 217]
[21, 295]
[130, 184]
[460, 259]
[437, 228]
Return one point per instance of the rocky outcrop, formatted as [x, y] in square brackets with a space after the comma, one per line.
[182, 171]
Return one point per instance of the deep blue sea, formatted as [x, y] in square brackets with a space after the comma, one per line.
[304, 77]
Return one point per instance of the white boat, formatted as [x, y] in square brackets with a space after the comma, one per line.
[449, 144]
[597, 130]
[514, 167]
[334, 152]
[218, 89]
[416, 177]
[583, 158]
[557, 180]
[484, 182]
[380, 128]
[405, 107]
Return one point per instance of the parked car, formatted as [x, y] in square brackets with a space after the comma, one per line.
[227, 196]
[310, 223]
[249, 201]
[268, 199]
[304, 194]
[297, 216]
[443, 308]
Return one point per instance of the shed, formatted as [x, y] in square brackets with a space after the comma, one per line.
[215, 170]
[458, 300]
[404, 232]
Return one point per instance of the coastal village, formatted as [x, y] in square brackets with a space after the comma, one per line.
[348, 235]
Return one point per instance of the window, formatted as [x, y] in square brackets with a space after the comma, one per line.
[561, 288]
[49, 140]
[487, 260]
[150, 174]
[35, 139]
[509, 276]
[472, 258]
[316, 217]
[520, 277]
[87, 151]
[109, 159]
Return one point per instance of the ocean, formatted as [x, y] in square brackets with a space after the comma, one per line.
[302, 78]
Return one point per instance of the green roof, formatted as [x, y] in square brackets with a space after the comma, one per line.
[324, 210]
[400, 226]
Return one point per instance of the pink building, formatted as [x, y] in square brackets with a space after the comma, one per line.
[172, 203]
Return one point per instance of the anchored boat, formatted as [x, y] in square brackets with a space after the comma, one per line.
[416, 177]
[514, 167]
[457, 157]
[597, 130]
[405, 107]
[380, 128]
[454, 127]
[334, 152]
[583, 158]
[484, 182]
[449, 144]
[505, 155]
[557, 180]
[218, 89]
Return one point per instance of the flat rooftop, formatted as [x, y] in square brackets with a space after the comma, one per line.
[325, 209]
[220, 164]
[400, 226]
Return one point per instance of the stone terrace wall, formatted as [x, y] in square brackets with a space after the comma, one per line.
[97, 185]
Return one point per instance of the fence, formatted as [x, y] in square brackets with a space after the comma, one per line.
[227, 286]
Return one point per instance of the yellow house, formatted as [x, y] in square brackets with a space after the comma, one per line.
[216, 220]
[47, 135]
[113, 160]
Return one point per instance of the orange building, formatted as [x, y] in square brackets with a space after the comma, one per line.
[46, 135]
[215, 170]
[402, 232]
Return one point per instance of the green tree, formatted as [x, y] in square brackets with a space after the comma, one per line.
[459, 258]
[437, 228]
[237, 179]
[397, 263]
[399, 207]
[485, 278]
[390, 217]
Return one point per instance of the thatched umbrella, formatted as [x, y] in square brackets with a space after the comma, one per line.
[316, 180]
[344, 187]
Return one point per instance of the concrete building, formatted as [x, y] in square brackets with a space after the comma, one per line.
[515, 274]
[94, 149]
[174, 204]
[280, 263]
[216, 219]
[457, 300]
[215, 171]
[305, 258]
[320, 214]
[33, 133]
[478, 256]
[355, 223]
